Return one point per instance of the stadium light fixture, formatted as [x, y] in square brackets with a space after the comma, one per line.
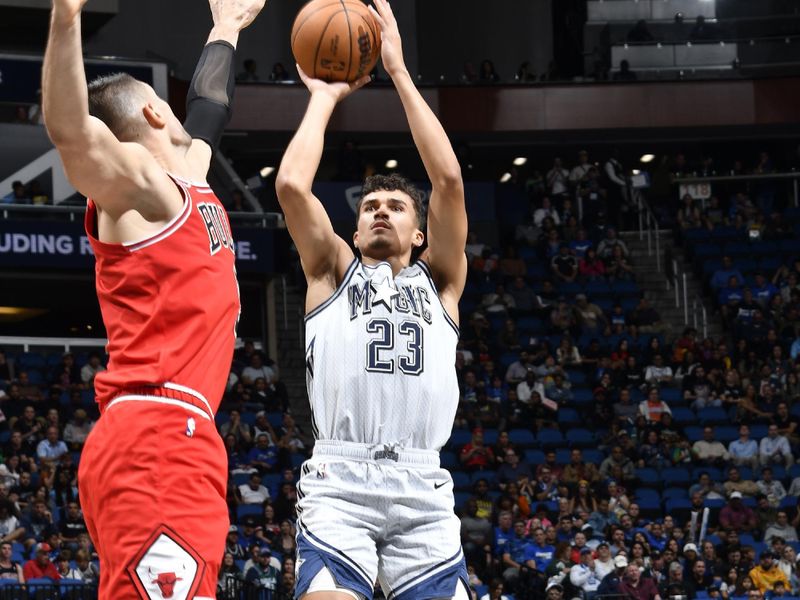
[505, 178]
[391, 164]
[646, 158]
[267, 171]
[520, 161]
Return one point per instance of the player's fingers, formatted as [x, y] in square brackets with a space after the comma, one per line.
[377, 16]
[360, 83]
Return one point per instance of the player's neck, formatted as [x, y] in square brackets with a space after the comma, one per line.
[398, 263]
[172, 158]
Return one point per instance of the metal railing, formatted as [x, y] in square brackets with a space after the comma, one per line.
[234, 588]
[48, 591]
[648, 226]
[678, 280]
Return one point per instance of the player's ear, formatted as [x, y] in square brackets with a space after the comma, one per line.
[355, 239]
[153, 117]
[419, 239]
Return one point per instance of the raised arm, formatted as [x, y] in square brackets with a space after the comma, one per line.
[208, 103]
[447, 215]
[95, 161]
[324, 255]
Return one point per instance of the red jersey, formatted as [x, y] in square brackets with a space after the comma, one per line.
[170, 302]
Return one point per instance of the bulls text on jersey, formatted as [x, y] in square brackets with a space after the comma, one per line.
[219, 232]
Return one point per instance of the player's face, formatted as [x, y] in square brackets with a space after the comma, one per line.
[387, 225]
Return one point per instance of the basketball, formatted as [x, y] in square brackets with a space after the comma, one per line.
[336, 40]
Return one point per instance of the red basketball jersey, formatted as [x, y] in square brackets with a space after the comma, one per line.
[170, 302]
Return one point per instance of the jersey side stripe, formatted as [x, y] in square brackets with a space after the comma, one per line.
[314, 540]
[427, 573]
[345, 280]
[427, 270]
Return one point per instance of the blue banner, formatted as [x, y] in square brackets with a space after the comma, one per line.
[64, 245]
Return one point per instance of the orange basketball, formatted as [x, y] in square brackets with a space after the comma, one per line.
[336, 40]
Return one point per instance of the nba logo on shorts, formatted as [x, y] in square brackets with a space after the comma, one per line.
[190, 425]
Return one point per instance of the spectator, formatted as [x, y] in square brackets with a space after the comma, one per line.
[72, 525]
[279, 73]
[557, 179]
[495, 591]
[512, 469]
[617, 460]
[487, 72]
[10, 570]
[584, 574]
[262, 574]
[581, 170]
[253, 492]
[610, 585]
[51, 449]
[546, 211]
[91, 368]
[708, 451]
[735, 483]
[476, 533]
[781, 528]
[475, 456]
[258, 369]
[766, 574]
[708, 489]
[78, 429]
[774, 449]
[654, 407]
[658, 373]
[590, 316]
[735, 515]
[722, 276]
[40, 566]
[771, 487]
[636, 587]
[578, 470]
[250, 73]
[514, 553]
[744, 451]
[263, 457]
[564, 265]
[18, 194]
[625, 73]
[607, 244]
[640, 32]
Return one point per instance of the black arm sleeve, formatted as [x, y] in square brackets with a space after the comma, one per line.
[208, 103]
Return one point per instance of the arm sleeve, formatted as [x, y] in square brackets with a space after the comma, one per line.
[208, 103]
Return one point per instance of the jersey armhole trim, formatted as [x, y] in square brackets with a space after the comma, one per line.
[427, 270]
[348, 275]
[171, 227]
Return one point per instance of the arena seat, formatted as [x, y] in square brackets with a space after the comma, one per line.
[247, 510]
[581, 438]
[522, 438]
[550, 438]
[675, 476]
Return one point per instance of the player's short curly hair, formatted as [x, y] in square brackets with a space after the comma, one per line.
[389, 183]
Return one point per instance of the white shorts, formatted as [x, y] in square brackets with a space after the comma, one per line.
[371, 514]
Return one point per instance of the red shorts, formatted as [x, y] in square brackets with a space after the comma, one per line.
[152, 481]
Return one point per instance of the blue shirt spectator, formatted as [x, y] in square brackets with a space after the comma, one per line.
[263, 456]
[502, 533]
[721, 276]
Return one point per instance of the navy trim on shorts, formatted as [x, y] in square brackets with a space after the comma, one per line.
[345, 280]
[353, 564]
[311, 560]
[427, 586]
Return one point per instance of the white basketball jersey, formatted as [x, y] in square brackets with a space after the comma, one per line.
[380, 360]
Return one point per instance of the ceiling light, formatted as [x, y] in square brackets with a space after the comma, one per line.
[636, 171]
[391, 164]
[267, 171]
[519, 161]
[505, 178]
[646, 158]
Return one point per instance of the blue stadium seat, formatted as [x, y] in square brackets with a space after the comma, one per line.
[459, 437]
[31, 360]
[726, 433]
[550, 438]
[597, 288]
[489, 476]
[449, 460]
[683, 416]
[677, 504]
[461, 499]
[481, 590]
[461, 480]
[746, 473]
[670, 394]
[582, 396]
[530, 324]
[713, 416]
[737, 249]
[644, 494]
[649, 477]
[490, 436]
[275, 419]
[568, 417]
[675, 476]
[758, 431]
[579, 437]
[593, 456]
[534, 457]
[706, 251]
[714, 503]
[694, 433]
[240, 478]
[522, 438]
[624, 288]
[245, 510]
[576, 376]
[562, 455]
[297, 460]
[675, 493]
[272, 481]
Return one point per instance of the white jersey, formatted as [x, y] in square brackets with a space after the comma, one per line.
[380, 360]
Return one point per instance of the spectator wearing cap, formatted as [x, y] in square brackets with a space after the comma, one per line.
[603, 562]
[767, 573]
[781, 528]
[774, 449]
[475, 456]
[232, 545]
[735, 515]
[554, 591]
[262, 574]
[40, 566]
[584, 575]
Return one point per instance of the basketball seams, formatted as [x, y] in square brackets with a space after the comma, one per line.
[322, 39]
[349, 40]
[375, 45]
[298, 25]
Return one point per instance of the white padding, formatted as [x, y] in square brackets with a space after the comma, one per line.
[324, 582]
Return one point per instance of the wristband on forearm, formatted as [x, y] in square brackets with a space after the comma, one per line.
[208, 103]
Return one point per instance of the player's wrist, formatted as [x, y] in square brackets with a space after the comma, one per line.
[224, 32]
[64, 17]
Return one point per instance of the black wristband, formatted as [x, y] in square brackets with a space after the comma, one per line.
[208, 103]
